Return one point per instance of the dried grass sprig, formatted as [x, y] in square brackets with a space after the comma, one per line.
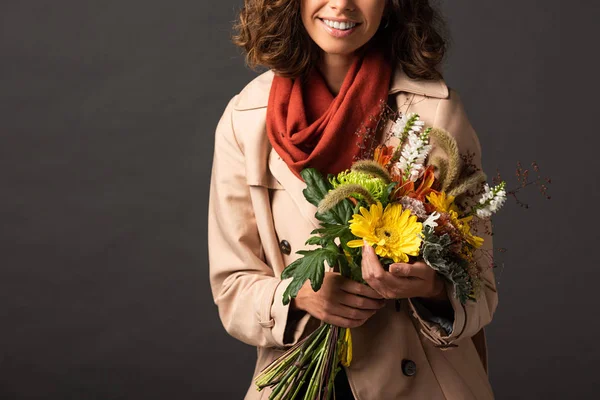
[441, 164]
[338, 194]
[450, 147]
[469, 183]
[372, 168]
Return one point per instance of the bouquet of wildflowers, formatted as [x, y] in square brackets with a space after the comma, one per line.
[394, 202]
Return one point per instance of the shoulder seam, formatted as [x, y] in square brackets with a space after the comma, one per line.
[235, 100]
[255, 103]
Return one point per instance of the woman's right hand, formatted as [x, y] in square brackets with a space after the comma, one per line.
[340, 301]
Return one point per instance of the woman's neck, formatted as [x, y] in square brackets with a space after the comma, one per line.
[334, 68]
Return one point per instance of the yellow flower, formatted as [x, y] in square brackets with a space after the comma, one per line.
[466, 253]
[348, 256]
[465, 229]
[445, 203]
[393, 232]
[345, 350]
[442, 202]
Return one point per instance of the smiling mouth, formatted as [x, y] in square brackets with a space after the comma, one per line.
[341, 26]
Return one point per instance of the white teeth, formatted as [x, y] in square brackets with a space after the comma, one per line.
[339, 25]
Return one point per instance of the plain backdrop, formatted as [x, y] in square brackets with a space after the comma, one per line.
[107, 117]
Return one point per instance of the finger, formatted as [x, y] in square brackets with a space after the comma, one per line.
[400, 270]
[408, 287]
[359, 289]
[338, 321]
[373, 273]
[401, 287]
[344, 322]
[374, 281]
[421, 270]
[426, 272]
[347, 312]
[342, 315]
[371, 267]
[361, 302]
[368, 250]
[418, 270]
[380, 286]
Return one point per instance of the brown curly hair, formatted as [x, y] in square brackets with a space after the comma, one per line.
[272, 35]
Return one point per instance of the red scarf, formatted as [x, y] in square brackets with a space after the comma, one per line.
[309, 127]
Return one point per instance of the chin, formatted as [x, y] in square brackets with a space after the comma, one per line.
[337, 47]
[339, 50]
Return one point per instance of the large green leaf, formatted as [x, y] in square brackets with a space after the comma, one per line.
[329, 232]
[316, 188]
[310, 266]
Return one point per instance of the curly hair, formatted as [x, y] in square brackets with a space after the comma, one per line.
[272, 35]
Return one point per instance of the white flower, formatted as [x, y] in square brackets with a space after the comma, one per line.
[399, 125]
[413, 155]
[396, 169]
[407, 123]
[417, 126]
[491, 200]
[416, 172]
[486, 195]
[430, 221]
[483, 213]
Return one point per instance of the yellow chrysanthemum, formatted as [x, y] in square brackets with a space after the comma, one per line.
[442, 202]
[393, 232]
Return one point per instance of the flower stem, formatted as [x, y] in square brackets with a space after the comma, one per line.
[312, 385]
[304, 375]
[290, 366]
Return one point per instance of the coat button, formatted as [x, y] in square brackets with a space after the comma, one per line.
[409, 368]
[285, 247]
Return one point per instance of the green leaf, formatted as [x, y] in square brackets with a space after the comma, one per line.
[316, 186]
[356, 268]
[329, 232]
[316, 240]
[389, 190]
[310, 266]
[438, 255]
[340, 214]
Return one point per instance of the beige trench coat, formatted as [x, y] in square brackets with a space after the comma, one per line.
[256, 203]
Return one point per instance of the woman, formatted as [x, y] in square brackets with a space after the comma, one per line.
[331, 62]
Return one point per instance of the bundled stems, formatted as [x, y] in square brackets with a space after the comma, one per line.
[311, 364]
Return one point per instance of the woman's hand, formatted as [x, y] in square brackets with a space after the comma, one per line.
[340, 301]
[403, 280]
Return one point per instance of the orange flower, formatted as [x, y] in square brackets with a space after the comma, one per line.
[407, 188]
[403, 188]
[383, 154]
[427, 181]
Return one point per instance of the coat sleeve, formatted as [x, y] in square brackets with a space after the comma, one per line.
[243, 286]
[474, 315]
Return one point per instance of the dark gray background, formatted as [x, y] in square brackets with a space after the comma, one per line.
[107, 116]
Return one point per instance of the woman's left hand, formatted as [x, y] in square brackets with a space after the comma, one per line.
[403, 280]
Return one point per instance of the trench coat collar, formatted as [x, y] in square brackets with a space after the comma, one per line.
[256, 93]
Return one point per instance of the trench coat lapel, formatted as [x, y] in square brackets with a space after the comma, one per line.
[294, 186]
